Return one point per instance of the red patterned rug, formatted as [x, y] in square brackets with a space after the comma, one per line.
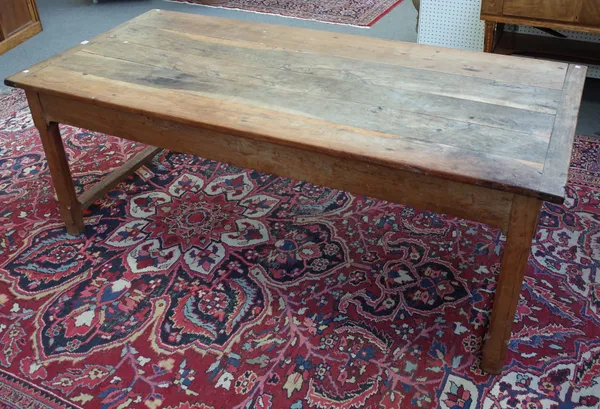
[201, 285]
[352, 12]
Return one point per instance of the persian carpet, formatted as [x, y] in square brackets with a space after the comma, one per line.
[201, 285]
[351, 12]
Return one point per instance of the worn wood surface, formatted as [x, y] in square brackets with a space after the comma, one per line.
[351, 70]
[485, 120]
[476, 203]
[69, 207]
[521, 228]
[367, 49]
[558, 157]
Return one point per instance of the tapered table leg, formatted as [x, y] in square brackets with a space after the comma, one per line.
[70, 208]
[489, 35]
[521, 229]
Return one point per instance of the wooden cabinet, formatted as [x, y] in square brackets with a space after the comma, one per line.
[574, 15]
[577, 15]
[19, 20]
[563, 10]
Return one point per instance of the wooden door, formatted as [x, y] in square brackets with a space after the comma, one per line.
[558, 10]
[19, 20]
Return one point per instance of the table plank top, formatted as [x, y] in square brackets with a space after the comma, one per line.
[502, 122]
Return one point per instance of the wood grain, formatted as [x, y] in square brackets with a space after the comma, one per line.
[11, 81]
[521, 228]
[15, 15]
[292, 130]
[466, 63]
[19, 21]
[558, 158]
[459, 123]
[536, 22]
[20, 36]
[485, 120]
[111, 180]
[562, 10]
[33, 10]
[589, 13]
[69, 207]
[489, 35]
[185, 49]
[421, 191]
[492, 6]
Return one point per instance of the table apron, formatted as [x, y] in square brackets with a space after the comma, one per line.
[417, 190]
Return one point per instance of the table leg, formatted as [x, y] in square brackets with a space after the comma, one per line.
[488, 42]
[521, 229]
[69, 206]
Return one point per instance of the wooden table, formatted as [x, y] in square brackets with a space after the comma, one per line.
[479, 136]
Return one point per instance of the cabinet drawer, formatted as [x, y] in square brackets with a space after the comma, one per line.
[558, 10]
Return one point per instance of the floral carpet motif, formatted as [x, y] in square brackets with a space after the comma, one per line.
[352, 12]
[201, 285]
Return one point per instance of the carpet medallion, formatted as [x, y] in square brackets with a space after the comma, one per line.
[351, 12]
[199, 285]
